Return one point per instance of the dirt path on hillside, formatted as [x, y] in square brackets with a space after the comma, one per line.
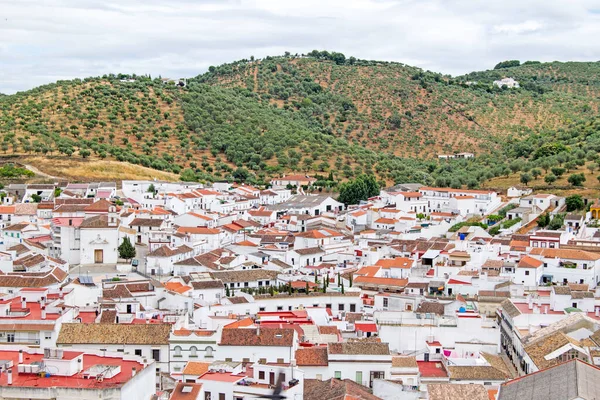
[40, 173]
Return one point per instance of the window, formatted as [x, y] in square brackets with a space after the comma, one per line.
[207, 396]
[156, 354]
[337, 375]
[221, 396]
[574, 305]
[437, 351]
[228, 359]
[48, 335]
[262, 360]
[245, 360]
[280, 361]
[359, 377]
[138, 352]
[261, 309]
[385, 302]
[208, 352]
[376, 375]
[279, 308]
[177, 351]
[526, 272]
[328, 305]
[341, 307]
[259, 283]
[261, 375]
[193, 351]
[352, 307]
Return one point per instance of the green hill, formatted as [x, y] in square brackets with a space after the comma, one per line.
[253, 119]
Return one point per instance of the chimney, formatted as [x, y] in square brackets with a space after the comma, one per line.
[133, 371]
[530, 302]
[60, 294]
[43, 312]
[597, 312]
[545, 309]
[23, 302]
[9, 377]
[20, 356]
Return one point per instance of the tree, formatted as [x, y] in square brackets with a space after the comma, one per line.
[188, 175]
[126, 249]
[227, 293]
[241, 174]
[558, 171]
[307, 287]
[557, 222]
[543, 220]
[536, 172]
[85, 153]
[342, 288]
[526, 178]
[363, 187]
[507, 64]
[151, 188]
[350, 280]
[576, 179]
[36, 198]
[420, 216]
[574, 203]
[550, 179]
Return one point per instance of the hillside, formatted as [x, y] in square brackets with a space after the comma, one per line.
[257, 118]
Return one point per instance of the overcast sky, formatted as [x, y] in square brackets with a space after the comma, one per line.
[46, 40]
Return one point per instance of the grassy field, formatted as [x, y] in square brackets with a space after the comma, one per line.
[590, 189]
[93, 169]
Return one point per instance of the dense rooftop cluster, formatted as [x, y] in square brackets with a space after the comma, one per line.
[187, 291]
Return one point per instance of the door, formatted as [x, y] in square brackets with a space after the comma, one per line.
[271, 378]
[426, 357]
[98, 256]
[128, 308]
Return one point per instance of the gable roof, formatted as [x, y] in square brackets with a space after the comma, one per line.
[529, 262]
[101, 205]
[153, 222]
[336, 389]
[153, 334]
[566, 253]
[574, 379]
[257, 337]
[450, 391]
[359, 347]
[312, 356]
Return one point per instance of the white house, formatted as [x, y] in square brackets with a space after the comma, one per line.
[100, 239]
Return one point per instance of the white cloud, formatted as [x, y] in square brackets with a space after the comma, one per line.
[517, 29]
[42, 41]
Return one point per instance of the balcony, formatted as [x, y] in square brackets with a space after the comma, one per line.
[16, 340]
